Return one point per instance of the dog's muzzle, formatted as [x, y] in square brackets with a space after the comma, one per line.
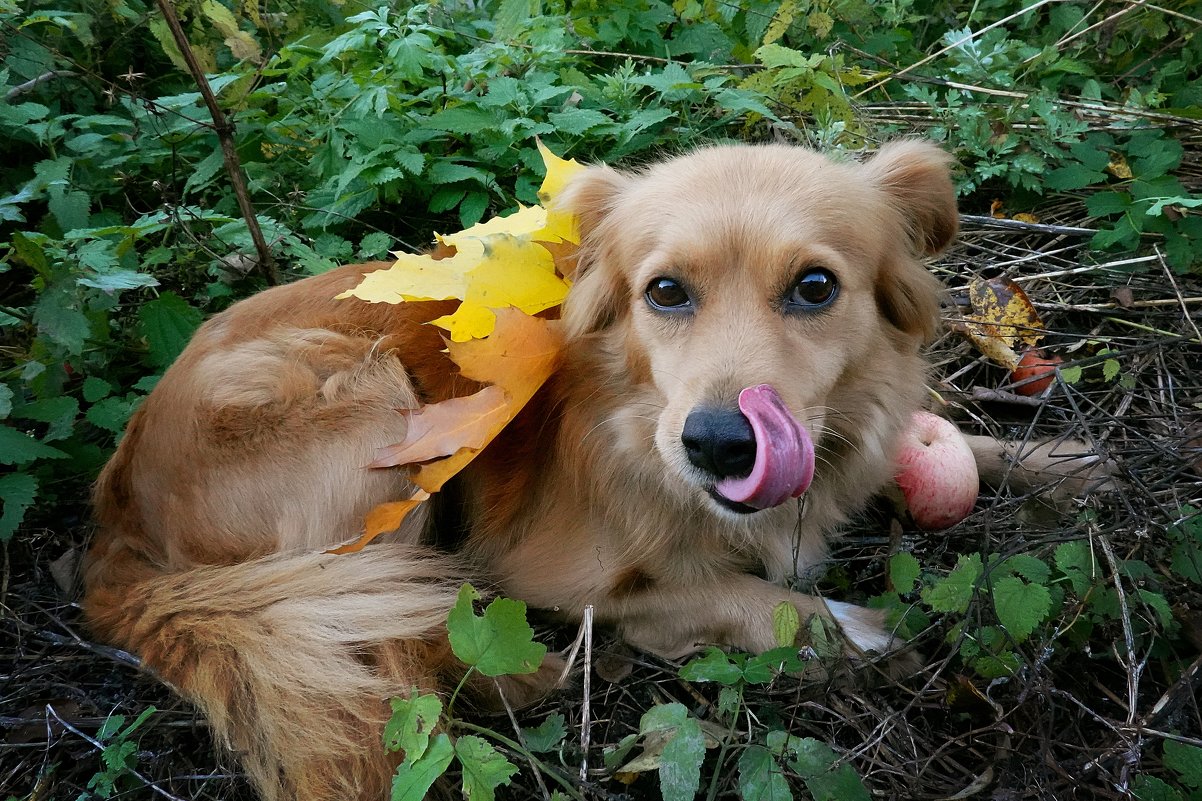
[760, 454]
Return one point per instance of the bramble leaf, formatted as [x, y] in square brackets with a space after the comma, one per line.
[714, 666]
[760, 778]
[413, 780]
[484, 769]
[413, 720]
[17, 492]
[547, 735]
[498, 643]
[1020, 606]
[680, 763]
[903, 572]
[953, 593]
[786, 622]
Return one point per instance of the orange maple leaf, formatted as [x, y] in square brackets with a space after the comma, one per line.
[441, 429]
[515, 359]
[384, 518]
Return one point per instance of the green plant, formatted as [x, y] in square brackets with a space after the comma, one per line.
[498, 642]
[118, 757]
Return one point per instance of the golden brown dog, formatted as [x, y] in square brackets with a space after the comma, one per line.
[743, 331]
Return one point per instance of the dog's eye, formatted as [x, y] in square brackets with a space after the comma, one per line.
[668, 295]
[814, 289]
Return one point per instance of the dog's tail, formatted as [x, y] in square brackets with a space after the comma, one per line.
[292, 657]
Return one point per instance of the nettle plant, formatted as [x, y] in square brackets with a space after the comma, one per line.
[672, 742]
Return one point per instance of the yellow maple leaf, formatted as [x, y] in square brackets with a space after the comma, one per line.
[469, 321]
[498, 263]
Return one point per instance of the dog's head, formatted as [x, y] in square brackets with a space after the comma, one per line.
[765, 304]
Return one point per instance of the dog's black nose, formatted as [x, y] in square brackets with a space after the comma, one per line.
[719, 441]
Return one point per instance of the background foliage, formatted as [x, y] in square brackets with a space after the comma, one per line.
[363, 127]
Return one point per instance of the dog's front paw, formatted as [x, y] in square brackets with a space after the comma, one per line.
[864, 629]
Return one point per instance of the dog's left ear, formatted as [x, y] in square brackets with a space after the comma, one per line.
[915, 177]
[598, 293]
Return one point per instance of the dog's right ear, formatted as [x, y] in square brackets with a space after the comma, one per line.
[598, 293]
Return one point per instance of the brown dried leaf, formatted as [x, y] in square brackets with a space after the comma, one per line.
[1002, 317]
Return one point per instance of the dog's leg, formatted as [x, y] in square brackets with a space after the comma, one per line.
[1065, 467]
[736, 611]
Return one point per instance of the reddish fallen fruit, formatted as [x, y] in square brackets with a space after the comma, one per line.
[1035, 364]
[937, 473]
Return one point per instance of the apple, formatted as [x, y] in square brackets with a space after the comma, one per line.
[937, 472]
[1035, 364]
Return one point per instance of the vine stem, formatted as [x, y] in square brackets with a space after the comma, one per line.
[225, 135]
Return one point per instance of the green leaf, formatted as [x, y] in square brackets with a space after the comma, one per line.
[17, 491]
[167, 324]
[1103, 204]
[463, 120]
[447, 172]
[413, 720]
[578, 121]
[1020, 606]
[763, 668]
[1185, 760]
[112, 413]
[70, 210]
[680, 765]
[472, 208]
[786, 622]
[58, 413]
[760, 778]
[714, 665]
[1159, 604]
[1075, 560]
[953, 593]
[31, 253]
[1074, 176]
[498, 643]
[814, 761]
[1150, 788]
[17, 447]
[484, 769]
[513, 16]
[547, 735]
[95, 388]
[662, 717]
[413, 779]
[60, 321]
[6, 401]
[1110, 369]
[375, 245]
[1070, 375]
[903, 572]
[1031, 568]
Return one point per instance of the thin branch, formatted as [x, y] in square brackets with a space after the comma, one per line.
[1019, 225]
[225, 135]
[34, 83]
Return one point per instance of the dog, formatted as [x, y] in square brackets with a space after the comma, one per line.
[743, 350]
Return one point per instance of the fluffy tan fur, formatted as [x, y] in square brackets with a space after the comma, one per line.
[247, 460]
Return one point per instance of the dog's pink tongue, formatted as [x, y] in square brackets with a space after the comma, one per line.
[784, 453]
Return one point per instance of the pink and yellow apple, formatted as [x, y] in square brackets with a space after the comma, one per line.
[937, 473]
